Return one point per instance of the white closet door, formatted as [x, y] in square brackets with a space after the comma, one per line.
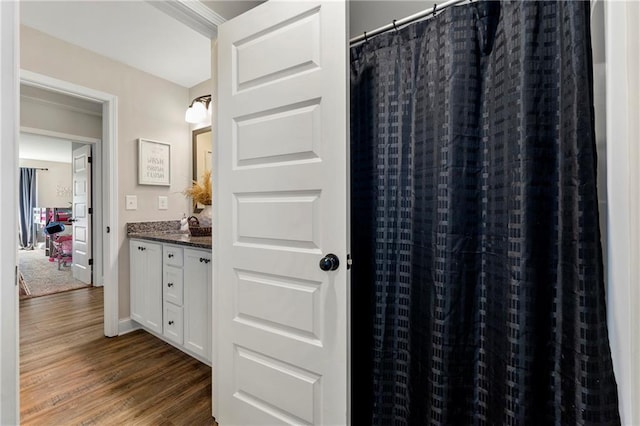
[82, 227]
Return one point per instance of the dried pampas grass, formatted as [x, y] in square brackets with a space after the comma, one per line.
[201, 192]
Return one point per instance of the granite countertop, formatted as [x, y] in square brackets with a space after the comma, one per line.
[180, 239]
[166, 232]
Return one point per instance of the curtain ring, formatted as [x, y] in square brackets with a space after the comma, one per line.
[394, 25]
[434, 9]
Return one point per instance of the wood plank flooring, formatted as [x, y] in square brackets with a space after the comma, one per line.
[70, 374]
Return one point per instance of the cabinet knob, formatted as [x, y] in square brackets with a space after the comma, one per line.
[169, 284]
[170, 255]
[202, 259]
[170, 322]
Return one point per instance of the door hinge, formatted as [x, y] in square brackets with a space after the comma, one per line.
[108, 229]
[17, 279]
[90, 160]
[90, 210]
[349, 261]
[90, 261]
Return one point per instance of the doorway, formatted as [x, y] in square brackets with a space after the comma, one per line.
[104, 188]
[55, 242]
[104, 193]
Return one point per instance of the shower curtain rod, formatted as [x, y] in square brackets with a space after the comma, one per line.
[397, 23]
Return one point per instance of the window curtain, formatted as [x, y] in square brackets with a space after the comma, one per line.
[27, 204]
[477, 284]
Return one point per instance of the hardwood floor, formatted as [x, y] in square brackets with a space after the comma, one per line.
[70, 374]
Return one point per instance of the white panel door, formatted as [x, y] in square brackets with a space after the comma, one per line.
[82, 227]
[281, 322]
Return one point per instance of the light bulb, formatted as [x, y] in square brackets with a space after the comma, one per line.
[200, 111]
[189, 116]
[196, 113]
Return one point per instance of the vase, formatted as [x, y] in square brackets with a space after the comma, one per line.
[205, 217]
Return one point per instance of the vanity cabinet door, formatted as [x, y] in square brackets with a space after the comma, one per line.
[197, 302]
[146, 284]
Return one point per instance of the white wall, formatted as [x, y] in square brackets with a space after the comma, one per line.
[53, 186]
[148, 107]
[42, 115]
[367, 15]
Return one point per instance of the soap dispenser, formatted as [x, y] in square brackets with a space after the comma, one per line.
[184, 223]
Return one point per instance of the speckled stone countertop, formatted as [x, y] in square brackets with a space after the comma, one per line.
[166, 232]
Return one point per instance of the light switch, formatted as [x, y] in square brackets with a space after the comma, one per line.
[131, 202]
[163, 202]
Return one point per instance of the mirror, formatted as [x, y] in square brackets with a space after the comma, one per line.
[202, 157]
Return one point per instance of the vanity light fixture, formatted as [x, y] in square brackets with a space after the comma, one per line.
[198, 109]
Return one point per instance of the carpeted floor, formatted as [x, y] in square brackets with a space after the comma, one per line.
[42, 277]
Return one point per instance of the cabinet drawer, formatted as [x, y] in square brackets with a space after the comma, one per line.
[172, 255]
[172, 283]
[173, 322]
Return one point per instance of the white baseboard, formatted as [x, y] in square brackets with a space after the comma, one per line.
[127, 325]
[175, 345]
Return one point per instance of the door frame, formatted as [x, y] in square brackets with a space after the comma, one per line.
[105, 202]
[96, 193]
[9, 123]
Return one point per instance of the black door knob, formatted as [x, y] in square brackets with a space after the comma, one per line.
[330, 262]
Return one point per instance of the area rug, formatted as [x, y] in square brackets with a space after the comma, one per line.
[41, 277]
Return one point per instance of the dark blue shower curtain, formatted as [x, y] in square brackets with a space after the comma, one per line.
[27, 204]
[477, 284]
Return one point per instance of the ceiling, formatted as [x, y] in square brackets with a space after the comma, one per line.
[44, 148]
[151, 35]
[132, 32]
[230, 9]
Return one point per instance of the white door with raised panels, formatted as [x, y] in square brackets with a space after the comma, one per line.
[281, 322]
[82, 214]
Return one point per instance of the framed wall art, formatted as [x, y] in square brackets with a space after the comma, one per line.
[154, 162]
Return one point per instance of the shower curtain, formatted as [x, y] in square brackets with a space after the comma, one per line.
[27, 204]
[477, 284]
